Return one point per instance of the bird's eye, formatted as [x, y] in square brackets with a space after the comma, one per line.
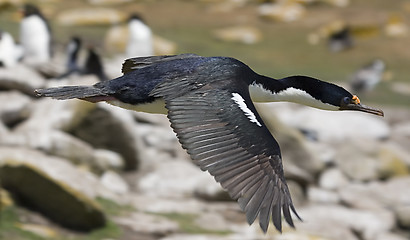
[346, 100]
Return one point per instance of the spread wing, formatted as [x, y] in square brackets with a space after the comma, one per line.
[131, 64]
[225, 136]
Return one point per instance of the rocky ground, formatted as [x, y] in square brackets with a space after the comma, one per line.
[76, 170]
[72, 168]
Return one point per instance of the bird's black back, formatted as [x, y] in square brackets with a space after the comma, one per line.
[142, 75]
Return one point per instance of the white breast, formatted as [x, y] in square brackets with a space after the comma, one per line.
[35, 39]
[140, 40]
[8, 50]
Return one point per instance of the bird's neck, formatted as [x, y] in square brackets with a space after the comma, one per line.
[265, 89]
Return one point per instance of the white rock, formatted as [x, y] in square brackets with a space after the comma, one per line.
[106, 159]
[118, 135]
[174, 179]
[284, 11]
[102, 2]
[332, 179]
[357, 160]
[212, 221]
[359, 196]
[3, 131]
[160, 138]
[369, 224]
[147, 223]
[208, 189]
[167, 205]
[114, 182]
[241, 34]
[21, 78]
[58, 169]
[11, 105]
[90, 16]
[393, 192]
[390, 236]
[402, 129]
[322, 196]
[377, 195]
[403, 216]
[52, 114]
[55, 143]
[333, 126]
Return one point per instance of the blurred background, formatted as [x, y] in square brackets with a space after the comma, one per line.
[76, 170]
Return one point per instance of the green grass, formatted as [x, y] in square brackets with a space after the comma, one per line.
[110, 231]
[8, 228]
[9, 220]
[187, 224]
[112, 208]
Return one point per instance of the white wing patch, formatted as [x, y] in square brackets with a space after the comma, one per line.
[242, 105]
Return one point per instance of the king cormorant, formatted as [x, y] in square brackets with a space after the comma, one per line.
[209, 102]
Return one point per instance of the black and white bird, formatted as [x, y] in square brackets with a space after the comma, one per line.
[35, 36]
[72, 52]
[209, 102]
[92, 65]
[140, 42]
[366, 78]
[10, 53]
[340, 40]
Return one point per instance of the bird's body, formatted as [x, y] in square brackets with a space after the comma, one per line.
[140, 38]
[35, 36]
[72, 51]
[208, 102]
[10, 53]
[341, 40]
[367, 77]
[92, 65]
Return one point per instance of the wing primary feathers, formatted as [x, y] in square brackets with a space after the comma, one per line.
[238, 174]
[294, 211]
[276, 213]
[237, 189]
[210, 140]
[216, 158]
[224, 166]
[286, 214]
[255, 203]
[264, 215]
[248, 168]
[212, 147]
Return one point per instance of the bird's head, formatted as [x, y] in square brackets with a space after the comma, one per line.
[311, 92]
[329, 96]
[353, 103]
[30, 9]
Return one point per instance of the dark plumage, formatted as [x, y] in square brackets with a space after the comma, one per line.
[93, 64]
[208, 102]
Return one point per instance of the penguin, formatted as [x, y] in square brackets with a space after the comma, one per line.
[10, 53]
[140, 43]
[35, 36]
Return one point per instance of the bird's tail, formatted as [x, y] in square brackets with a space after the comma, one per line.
[88, 93]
